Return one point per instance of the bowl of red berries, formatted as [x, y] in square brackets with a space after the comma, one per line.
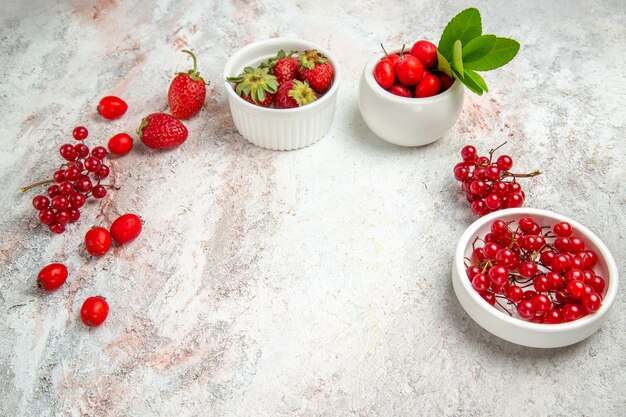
[282, 92]
[534, 278]
[405, 100]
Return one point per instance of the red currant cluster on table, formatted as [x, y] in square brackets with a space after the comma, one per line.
[537, 274]
[77, 180]
[489, 185]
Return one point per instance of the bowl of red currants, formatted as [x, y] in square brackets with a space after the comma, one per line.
[534, 278]
[405, 100]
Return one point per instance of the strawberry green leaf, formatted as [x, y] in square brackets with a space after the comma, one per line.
[478, 47]
[443, 65]
[465, 26]
[457, 57]
[261, 94]
[476, 78]
[502, 52]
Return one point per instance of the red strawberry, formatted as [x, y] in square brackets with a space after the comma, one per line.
[255, 85]
[315, 68]
[294, 93]
[187, 92]
[162, 131]
[284, 67]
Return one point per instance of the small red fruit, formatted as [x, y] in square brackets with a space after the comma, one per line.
[256, 86]
[187, 92]
[126, 228]
[284, 66]
[384, 73]
[446, 82]
[428, 87]
[80, 133]
[391, 57]
[293, 94]
[94, 311]
[426, 52]
[51, 277]
[111, 107]
[315, 68]
[409, 70]
[162, 131]
[120, 144]
[97, 241]
[400, 90]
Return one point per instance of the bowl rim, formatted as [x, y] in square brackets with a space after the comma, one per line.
[277, 42]
[368, 74]
[612, 278]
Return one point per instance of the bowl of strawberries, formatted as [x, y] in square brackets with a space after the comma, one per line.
[405, 100]
[282, 92]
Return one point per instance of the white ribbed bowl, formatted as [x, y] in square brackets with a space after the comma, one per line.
[279, 129]
[407, 121]
[516, 330]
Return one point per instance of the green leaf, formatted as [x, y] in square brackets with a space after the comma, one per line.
[443, 65]
[457, 57]
[469, 83]
[465, 26]
[477, 79]
[478, 47]
[502, 52]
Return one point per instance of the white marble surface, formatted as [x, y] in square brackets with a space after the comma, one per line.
[308, 283]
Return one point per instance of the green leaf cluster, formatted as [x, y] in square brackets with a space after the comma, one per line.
[463, 50]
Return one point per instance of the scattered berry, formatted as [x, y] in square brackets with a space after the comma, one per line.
[187, 92]
[52, 277]
[111, 107]
[126, 228]
[97, 241]
[120, 144]
[94, 311]
[80, 133]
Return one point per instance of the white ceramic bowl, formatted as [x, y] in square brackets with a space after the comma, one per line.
[280, 129]
[516, 330]
[407, 121]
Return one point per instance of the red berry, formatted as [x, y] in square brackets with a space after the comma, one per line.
[571, 312]
[542, 303]
[428, 87]
[384, 73]
[574, 274]
[426, 52]
[187, 92]
[94, 311]
[59, 175]
[553, 316]
[492, 172]
[446, 82]
[284, 67]
[84, 185]
[52, 276]
[562, 244]
[591, 302]
[514, 293]
[99, 191]
[489, 297]
[62, 217]
[472, 271]
[92, 164]
[461, 173]
[68, 152]
[111, 107]
[490, 249]
[493, 201]
[528, 269]
[66, 188]
[57, 228]
[41, 202]
[575, 289]
[480, 282]
[499, 228]
[77, 200]
[74, 215]
[506, 258]
[126, 228]
[562, 229]
[504, 162]
[47, 217]
[526, 309]
[588, 257]
[409, 70]
[60, 202]
[560, 263]
[469, 154]
[316, 70]
[102, 173]
[162, 131]
[479, 207]
[294, 93]
[98, 241]
[99, 152]
[120, 144]
[598, 284]
[499, 275]
[400, 90]
[80, 133]
[82, 151]
[576, 244]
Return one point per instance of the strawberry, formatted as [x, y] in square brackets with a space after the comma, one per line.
[162, 131]
[315, 68]
[294, 93]
[255, 85]
[187, 92]
[283, 66]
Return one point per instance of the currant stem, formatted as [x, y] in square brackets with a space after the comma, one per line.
[35, 184]
[506, 174]
[491, 152]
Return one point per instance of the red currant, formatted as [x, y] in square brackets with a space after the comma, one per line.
[553, 316]
[47, 217]
[82, 150]
[41, 202]
[592, 302]
[562, 229]
[469, 153]
[57, 228]
[99, 152]
[571, 312]
[542, 303]
[514, 293]
[489, 297]
[526, 309]
[68, 152]
[480, 282]
[499, 275]
[80, 133]
[99, 191]
[103, 172]
[504, 162]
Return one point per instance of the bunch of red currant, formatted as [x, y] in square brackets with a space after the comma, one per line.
[542, 275]
[485, 183]
[77, 180]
